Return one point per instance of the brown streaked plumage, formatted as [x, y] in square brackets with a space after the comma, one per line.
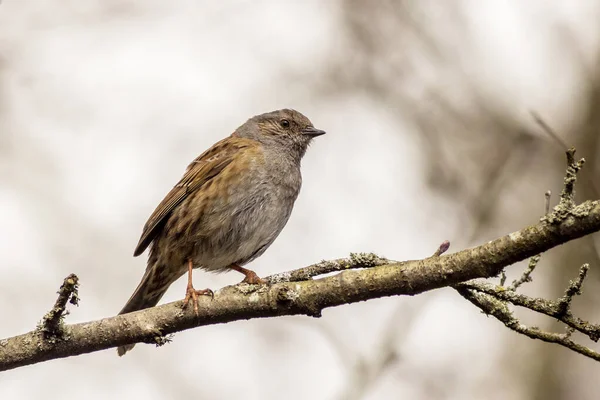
[227, 209]
[205, 167]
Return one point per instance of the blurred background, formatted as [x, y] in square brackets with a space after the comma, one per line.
[103, 103]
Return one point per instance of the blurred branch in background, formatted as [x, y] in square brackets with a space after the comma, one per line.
[416, 60]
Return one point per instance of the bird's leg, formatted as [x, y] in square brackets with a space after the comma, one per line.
[192, 293]
[251, 276]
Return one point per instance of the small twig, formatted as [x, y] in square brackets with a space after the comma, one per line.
[502, 278]
[51, 323]
[499, 310]
[526, 276]
[355, 261]
[533, 261]
[442, 249]
[564, 303]
[567, 196]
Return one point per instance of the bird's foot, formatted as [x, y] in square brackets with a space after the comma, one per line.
[192, 294]
[253, 279]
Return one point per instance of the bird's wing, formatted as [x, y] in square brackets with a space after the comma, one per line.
[204, 168]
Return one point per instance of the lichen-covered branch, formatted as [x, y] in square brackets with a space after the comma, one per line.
[499, 309]
[574, 288]
[307, 297]
[356, 261]
[51, 325]
[495, 299]
[554, 309]
[526, 276]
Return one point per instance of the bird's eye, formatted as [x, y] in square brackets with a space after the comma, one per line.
[285, 123]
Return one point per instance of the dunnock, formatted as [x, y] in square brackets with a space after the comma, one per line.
[230, 205]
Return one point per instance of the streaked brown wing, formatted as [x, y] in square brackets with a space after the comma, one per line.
[208, 165]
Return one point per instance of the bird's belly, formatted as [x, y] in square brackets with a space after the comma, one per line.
[239, 235]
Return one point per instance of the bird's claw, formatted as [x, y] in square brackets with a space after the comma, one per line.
[192, 294]
[253, 279]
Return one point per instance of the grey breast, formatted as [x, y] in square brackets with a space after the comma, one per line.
[264, 203]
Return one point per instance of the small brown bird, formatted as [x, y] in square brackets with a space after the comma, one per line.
[230, 205]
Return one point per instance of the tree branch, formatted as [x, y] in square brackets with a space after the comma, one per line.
[554, 309]
[492, 306]
[51, 325]
[494, 300]
[377, 278]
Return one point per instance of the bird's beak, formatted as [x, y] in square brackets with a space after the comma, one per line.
[312, 132]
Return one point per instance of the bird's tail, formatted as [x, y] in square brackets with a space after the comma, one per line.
[154, 284]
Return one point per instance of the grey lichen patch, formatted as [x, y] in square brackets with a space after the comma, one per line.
[561, 212]
[281, 277]
[73, 281]
[592, 331]
[366, 260]
[51, 333]
[157, 337]
[515, 236]
[286, 296]
[3, 343]
[161, 340]
[498, 307]
[567, 206]
[330, 265]
[52, 325]
[564, 210]
[247, 289]
[584, 209]
[574, 289]
[573, 168]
